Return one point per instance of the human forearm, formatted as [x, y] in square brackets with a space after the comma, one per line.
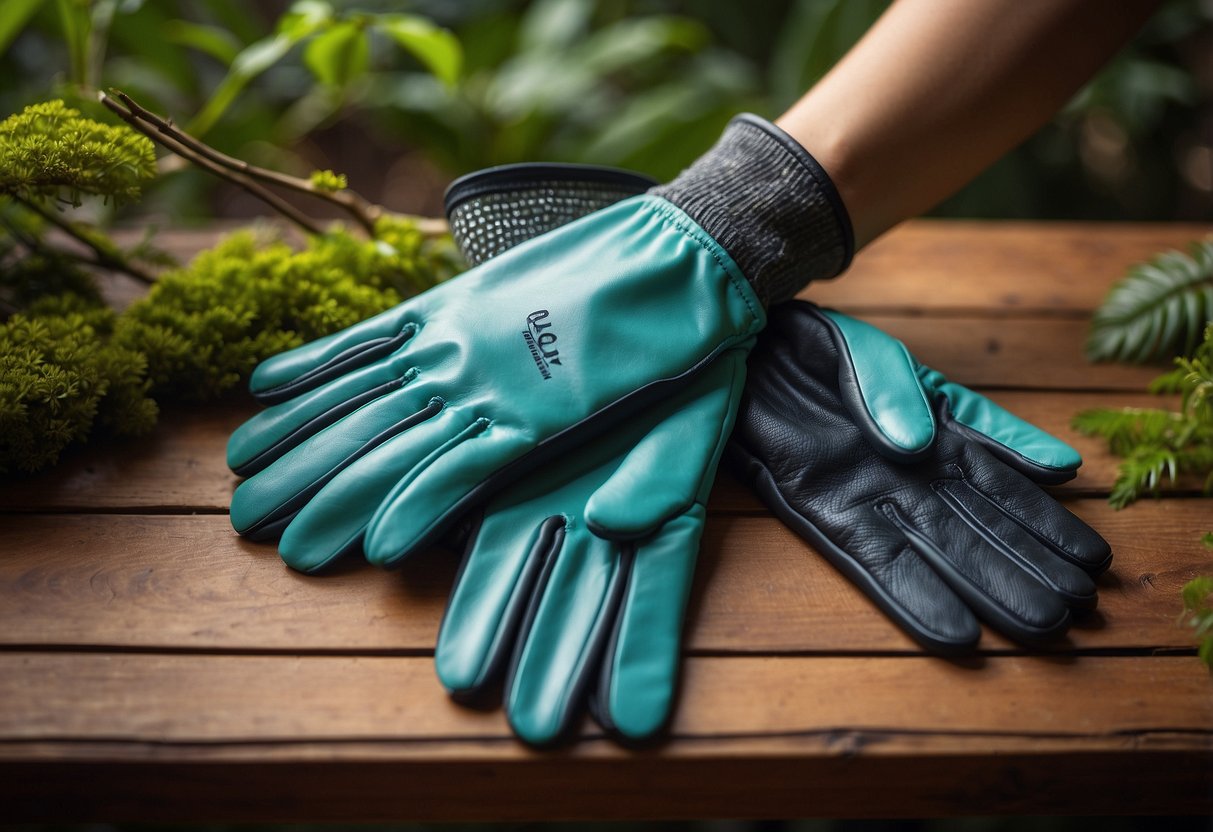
[939, 89]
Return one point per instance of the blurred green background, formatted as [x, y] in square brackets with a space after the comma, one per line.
[645, 84]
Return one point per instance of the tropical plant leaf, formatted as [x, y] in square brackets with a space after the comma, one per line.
[436, 48]
[304, 18]
[1158, 310]
[17, 13]
[339, 55]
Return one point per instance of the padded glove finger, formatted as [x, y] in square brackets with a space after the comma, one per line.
[569, 613]
[826, 450]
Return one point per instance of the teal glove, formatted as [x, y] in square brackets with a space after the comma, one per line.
[396, 426]
[575, 584]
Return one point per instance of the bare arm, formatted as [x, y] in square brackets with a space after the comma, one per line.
[938, 89]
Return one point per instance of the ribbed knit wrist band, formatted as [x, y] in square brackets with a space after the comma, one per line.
[769, 203]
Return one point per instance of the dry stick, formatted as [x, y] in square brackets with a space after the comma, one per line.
[105, 257]
[360, 208]
[365, 212]
[171, 143]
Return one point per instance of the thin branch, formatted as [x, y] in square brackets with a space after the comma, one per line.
[105, 257]
[247, 176]
[361, 209]
[170, 139]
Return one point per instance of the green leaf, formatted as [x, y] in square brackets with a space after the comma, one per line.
[633, 41]
[303, 19]
[74, 17]
[215, 41]
[436, 48]
[1207, 539]
[1159, 309]
[16, 14]
[328, 181]
[338, 55]
[816, 35]
[554, 25]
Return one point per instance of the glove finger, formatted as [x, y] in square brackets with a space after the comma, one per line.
[1035, 509]
[870, 551]
[878, 383]
[673, 466]
[1008, 534]
[307, 367]
[335, 518]
[273, 432]
[262, 504]
[635, 691]
[447, 482]
[1036, 454]
[491, 594]
[563, 634]
[996, 587]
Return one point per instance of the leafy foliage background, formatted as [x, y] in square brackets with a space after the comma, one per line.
[639, 83]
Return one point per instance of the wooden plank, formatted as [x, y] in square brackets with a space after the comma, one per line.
[224, 699]
[949, 738]
[181, 466]
[1002, 267]
[1033, 354]
[157, 582]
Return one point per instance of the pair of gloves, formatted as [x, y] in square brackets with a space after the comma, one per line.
[575, 393]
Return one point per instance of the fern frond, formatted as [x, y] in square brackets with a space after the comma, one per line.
[1143, 472]
[1159, 309]
[1127, 428]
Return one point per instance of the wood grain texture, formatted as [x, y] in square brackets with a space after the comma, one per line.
[180, 467]
[749, 732]
[1034, 354]
[164, 582]
[928, 266]
[216, 699]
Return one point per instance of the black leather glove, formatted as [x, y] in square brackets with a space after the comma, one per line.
[922, 492]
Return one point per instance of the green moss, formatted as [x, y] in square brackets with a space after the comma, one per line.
[205, 327]
[61, 378]
[49, 151]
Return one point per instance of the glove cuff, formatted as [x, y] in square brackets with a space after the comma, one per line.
[769, 203]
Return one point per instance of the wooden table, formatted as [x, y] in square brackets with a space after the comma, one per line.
[154, 666]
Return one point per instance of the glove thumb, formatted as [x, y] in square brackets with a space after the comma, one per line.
[879, 385]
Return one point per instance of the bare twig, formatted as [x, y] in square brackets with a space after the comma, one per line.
[170, 137]
[248, 176]
[361, 209]
[105, 257]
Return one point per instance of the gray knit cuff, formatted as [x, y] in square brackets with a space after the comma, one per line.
[770, 205]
